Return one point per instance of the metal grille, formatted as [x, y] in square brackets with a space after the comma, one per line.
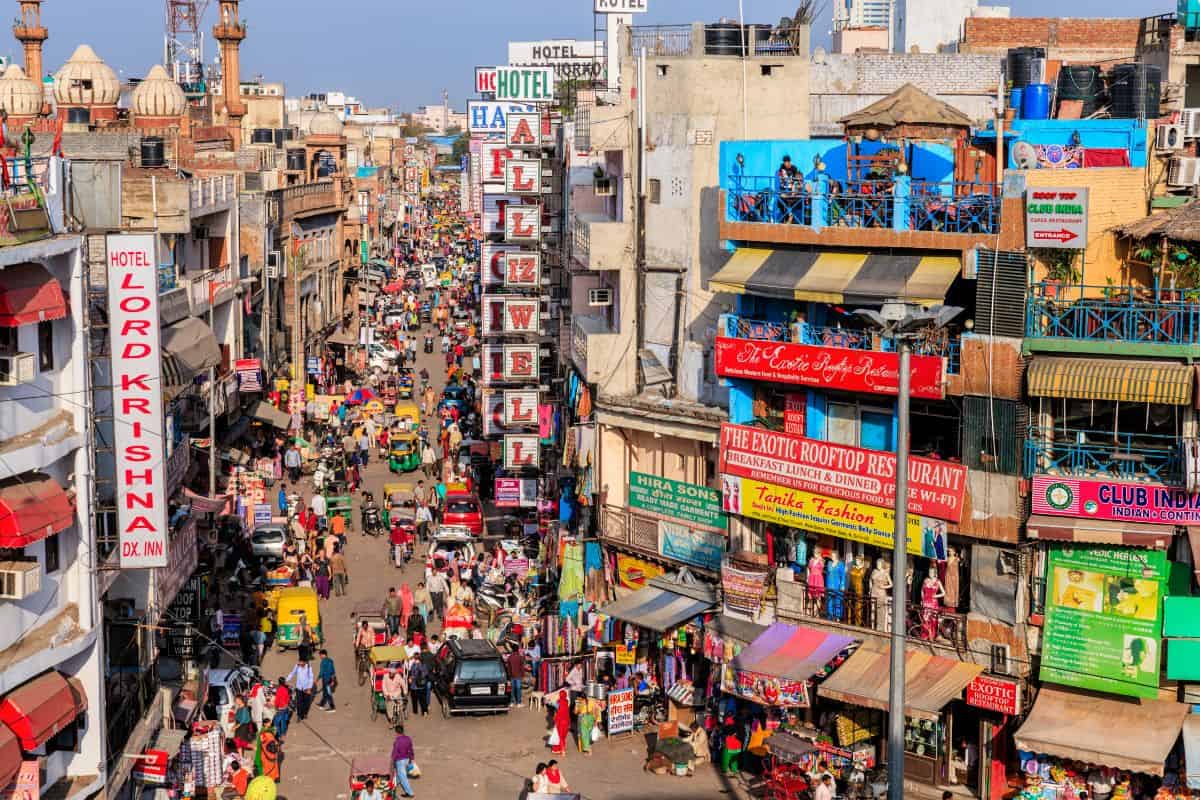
[1001, 314]
[583, 129]
[1001, 452]
[662, 40]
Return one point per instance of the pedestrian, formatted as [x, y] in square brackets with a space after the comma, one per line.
[258, 704]
[824, 788]
[516, 674]
[555, 782]
[430, 400]
[424, 521]
[267, 625]
[283, 499]
[328, 675]
[562, 724]
[402, 757]
[428, 458]
[422, 601]
[321, 576]
[369, 792]
[283, 707]
[364, 448]
[438, 587]
[538, 784]
[301, 678]
[266, 754]
[291, 460]
[419, 681]
[391, 611]
[339, 571]
[238, 779]
[318, 506]
[406, 605]
[243, 725]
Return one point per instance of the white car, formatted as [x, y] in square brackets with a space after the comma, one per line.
[450, 539]
[382, 356]
[223, 686]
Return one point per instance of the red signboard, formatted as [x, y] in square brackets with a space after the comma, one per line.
[935, 488]
[794, 405]
[826, 367]
[995, 694]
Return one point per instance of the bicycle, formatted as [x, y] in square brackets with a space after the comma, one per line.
[362, 664]
[397, 710]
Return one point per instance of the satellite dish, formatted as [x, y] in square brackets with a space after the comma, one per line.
[818, 55]
[1024, 155]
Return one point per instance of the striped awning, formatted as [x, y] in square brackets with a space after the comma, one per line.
[930, 682]
[655, 609]
[1099, 531]
[1112, 379]
[836, 277]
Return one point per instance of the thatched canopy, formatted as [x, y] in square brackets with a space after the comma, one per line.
[1180, 224]
[907, 107]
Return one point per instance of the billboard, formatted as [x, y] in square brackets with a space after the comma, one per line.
[495, 208]
[522, 315]
[522, 223]
[1116, 501]
[522, 270]
[571, 59]
[495, 155]
[517, 84]
[523, 129]
[620, 6]
[487, 116]
[686, 502]
[520, 362]
[516, 492]
[522, 176]
[521, 450]
[137, 400]
[494, 263]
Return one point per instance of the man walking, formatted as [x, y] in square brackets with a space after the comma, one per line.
[437, 590]
[301, 678]
[328, 675]
[364, 448]
[391, 611]
[419, 681]
[424, 521]
[317, 504]
[428, 458]
[516, 674]
[291, 460]
[283, 710]
[402, 757]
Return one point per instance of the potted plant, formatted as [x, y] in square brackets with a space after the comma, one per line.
[1060, 268]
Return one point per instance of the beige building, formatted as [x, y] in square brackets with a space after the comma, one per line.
[440, 118]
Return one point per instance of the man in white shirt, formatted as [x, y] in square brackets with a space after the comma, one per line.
[317, 504]
[824, 788]
[301, 678]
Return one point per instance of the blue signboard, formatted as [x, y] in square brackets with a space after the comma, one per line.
[313, 365]
[699, 548]
[487, 116]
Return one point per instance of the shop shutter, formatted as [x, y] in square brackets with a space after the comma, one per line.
[993, 434]
[1000, 279]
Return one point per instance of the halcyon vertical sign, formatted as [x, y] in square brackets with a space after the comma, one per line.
[137, 399]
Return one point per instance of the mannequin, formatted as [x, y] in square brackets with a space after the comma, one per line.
[932, 593]
[953, 565]
[858, 574]
[801, 556]
[881, 586]
[816, 584]
[835, 586]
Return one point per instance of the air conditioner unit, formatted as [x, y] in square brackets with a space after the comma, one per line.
[604, 187]
[1190, 120]
[1183, 172]
[600, 297]
[16, 369]
[19, 579]
[1001, 660]
[1168, 138]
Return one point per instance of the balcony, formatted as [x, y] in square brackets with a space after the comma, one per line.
[1152, 458]
[601, 243]
[596, 350]
[1121, 320]
[690, 40]
[211, 286]
[211, 194]
[32, 201]
[178, 464]
[319, 197]
[936, 343]
[947, 215]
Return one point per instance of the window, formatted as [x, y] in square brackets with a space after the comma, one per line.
[655, 190]
[481, 670]
[768, 70]
[992, 434]
[8, 341]
[45, 346]
[869, 427]
[52, 554]
[663, 69]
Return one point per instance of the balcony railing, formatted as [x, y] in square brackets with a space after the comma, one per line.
[211, 191]
[1112, 313]
[949, 348]
[1146, 457]
[662, 40]
[925, 623]
[900, 205]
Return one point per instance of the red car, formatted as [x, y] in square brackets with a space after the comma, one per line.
[463, 509]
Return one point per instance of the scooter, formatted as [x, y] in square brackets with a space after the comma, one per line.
[372, 523]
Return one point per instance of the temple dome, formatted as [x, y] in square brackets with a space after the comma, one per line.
[158, 96]
[85, 80]
[325, 123]
[19, 96]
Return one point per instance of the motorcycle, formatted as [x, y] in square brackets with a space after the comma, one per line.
[372, 523]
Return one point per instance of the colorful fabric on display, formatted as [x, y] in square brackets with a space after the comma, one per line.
[744, 589]
[570, 580]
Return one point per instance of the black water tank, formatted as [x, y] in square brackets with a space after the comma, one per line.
[261, 136]
[288, 134]
[1135, 91]
[1023, 66]
[152, 151]
[723, 39]
[295, 160]
[79, 116]
[278, 134]
[1083, 83]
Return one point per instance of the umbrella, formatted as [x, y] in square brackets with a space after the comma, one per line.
[394, 287]
[301, 442]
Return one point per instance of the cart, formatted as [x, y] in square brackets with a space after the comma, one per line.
[376, 768]
[342, 506]
[382, 659]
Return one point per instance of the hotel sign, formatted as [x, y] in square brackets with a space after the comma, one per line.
[137, 400]
[516, 84]
[826, 367]
[488, 116]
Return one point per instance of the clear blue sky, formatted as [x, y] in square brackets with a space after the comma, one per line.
[402, 53]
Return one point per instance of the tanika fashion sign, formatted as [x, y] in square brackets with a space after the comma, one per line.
[826, 367]
[134, 328]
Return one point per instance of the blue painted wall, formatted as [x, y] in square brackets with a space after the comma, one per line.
[1126, 134]
[931, 161]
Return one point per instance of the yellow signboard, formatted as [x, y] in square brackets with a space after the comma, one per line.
[634, 573]
[820, 514]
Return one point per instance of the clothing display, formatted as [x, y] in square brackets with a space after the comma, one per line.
[857, 578]
[835, 588]
[951, 580]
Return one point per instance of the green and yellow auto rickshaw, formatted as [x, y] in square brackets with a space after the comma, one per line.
[404, 454]
[294, 605]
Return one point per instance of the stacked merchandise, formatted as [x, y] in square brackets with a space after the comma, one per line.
[201, 755]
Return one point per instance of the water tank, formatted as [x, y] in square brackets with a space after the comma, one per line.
[1014, 101]
[152, 151]
[723, 39]
[289, 134]
[1083, 83]
[1135, 91]
[261, 136]
[278, 136]
[1035, 101]
[79, 116]
[1024, 67]
[295, 160]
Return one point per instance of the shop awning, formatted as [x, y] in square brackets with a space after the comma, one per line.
[793, 652]
[32, 508]
[205, 504]
[1111, 379]
[1101, 729]
[42, 707]
[342, 338]
[656, 609]
[265, 412]
[739, 630]
[836, 277]
[189, 348]
[1099, 531]
[930, 682]
[29, 294]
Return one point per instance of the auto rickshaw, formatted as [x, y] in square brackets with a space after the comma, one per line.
[408, 415]
[404, 454]
[377, 768]
[383, 659]
[405, 385]
[293, 603]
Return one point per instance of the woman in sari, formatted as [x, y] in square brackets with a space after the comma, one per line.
[266, 755]
[406, 605]
[562, 723]
[585, 716]
[555, 782]
[243, 730]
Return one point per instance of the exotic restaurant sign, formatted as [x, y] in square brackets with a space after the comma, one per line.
[935, 488]
[827, 367]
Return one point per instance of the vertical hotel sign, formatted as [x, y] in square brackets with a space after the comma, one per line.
[137, 399]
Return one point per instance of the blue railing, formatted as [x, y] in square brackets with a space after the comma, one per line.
[1123, 314]
[834, 336]
[901, 204]
[1103, 454]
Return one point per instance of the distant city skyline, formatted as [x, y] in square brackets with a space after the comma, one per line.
[391, 54]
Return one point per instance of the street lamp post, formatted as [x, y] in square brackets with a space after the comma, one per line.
[899, 584]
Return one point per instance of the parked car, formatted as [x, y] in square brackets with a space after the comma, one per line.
[268, 541]
[470, 678]
[449, 540]
[223, 686]
[464, 510]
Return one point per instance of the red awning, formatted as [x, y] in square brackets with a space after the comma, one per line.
[29, 294]
[42, 707]
[10, 756]
[32, 509]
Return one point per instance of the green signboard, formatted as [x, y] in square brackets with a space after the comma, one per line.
[1104, 619]
[362, 250]
[686, 502]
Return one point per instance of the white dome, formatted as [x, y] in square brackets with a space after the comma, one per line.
[19, 96]
[325, 123]
[158, 96]
[85, 80]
